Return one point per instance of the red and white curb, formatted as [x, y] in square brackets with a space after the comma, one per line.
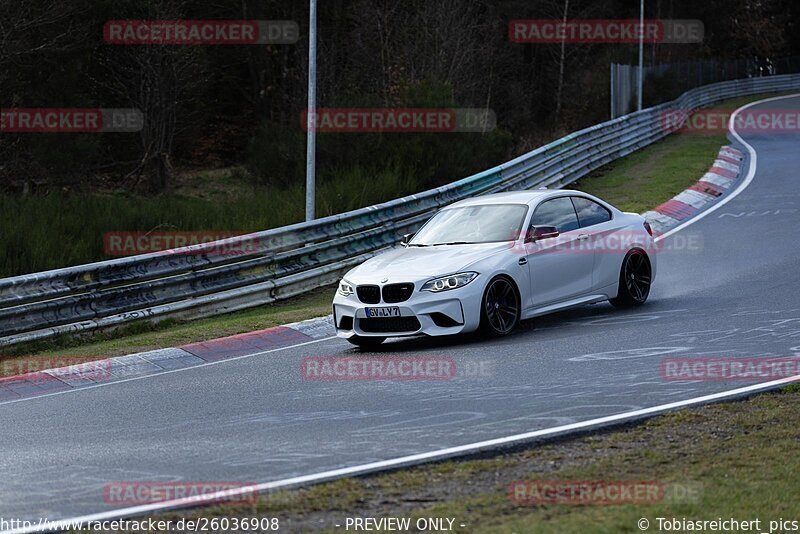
[719, 178]
[140, 364]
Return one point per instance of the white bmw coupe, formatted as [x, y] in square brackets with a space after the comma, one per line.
[487, 262]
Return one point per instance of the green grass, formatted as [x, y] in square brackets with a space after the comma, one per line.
[739, 458]
[59, 229]
[647, 178]
[654, 174]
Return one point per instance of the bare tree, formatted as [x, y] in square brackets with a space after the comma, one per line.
[159, 80]
[28, 29]
[760, 27]
[31, 32]
[447, 41]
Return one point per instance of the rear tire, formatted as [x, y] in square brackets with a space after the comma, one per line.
[500, 307]
[635, 277]
[366, 342]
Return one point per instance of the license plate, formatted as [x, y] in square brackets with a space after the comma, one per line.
[387, 311]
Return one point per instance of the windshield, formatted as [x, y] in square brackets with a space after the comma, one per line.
[472, 224]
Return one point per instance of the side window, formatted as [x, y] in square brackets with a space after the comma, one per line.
[557, 212]
[590, 212]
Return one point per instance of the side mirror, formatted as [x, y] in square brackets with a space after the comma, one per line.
[537, 233]
[406, 238]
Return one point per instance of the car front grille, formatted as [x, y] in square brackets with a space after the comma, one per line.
[389, 324]
[369, 294]
[397, 292]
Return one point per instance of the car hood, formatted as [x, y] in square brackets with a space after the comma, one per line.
[409, 264]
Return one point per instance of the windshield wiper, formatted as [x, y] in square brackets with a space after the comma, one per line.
[416, 245]
[454, 243]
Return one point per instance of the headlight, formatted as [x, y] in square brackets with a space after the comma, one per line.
[446, 283]
[345, 288]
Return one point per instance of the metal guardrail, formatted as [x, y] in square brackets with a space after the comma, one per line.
[201, 280]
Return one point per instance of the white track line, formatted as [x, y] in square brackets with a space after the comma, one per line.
[440, 454]
[165, 372]
[750, 173]
[406, 461]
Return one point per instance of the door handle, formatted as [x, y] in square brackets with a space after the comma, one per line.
[583, 237]
[523, 261]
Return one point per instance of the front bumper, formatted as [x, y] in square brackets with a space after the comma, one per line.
[424, 313]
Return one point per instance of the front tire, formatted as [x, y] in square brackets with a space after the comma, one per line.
[366, 342]
[635, 277]
[500, 307]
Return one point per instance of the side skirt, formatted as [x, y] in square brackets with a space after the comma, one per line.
[572, 303]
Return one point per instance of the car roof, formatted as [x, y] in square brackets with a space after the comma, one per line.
[514, 197]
